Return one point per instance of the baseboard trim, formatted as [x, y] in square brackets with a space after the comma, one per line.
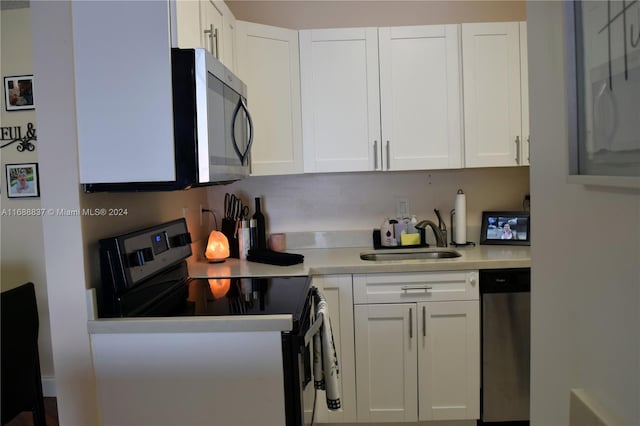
[49, 386]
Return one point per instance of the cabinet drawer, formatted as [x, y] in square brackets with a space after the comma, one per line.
[415, 287]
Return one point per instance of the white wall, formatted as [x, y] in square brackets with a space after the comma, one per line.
[346, 201]
[585, 256]
[22, 250]
[70, 242]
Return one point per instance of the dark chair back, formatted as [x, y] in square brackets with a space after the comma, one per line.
[21, 379]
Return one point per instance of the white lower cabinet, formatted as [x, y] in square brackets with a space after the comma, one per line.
[338, 291]
[417, 360]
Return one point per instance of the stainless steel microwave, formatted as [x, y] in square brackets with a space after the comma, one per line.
[212, 127]
[211, 118]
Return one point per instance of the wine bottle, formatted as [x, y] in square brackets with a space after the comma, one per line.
[260, 224]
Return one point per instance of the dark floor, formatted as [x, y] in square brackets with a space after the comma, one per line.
[26, 418]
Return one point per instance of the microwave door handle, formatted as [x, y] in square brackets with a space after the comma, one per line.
[241, 155]
[250, 121]
[233, 132]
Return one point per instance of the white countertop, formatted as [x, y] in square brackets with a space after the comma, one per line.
[319, 261]
[327, 261]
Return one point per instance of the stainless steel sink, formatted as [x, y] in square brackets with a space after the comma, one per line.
[408, 254]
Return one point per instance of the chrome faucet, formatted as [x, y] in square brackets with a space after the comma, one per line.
[439, 231]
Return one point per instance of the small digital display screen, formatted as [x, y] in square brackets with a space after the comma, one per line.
[506, 228]
[159, 243]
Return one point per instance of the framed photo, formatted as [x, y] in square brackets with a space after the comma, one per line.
[22, 180]
[18, 92]
[508, 228]
[603, 88]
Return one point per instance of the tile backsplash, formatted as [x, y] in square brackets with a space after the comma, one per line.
[360, 201]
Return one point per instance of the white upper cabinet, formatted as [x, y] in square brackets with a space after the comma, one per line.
[229, 41]
[420, 97]
[204, 24]
[407, 117]
[492, 98]
[268, 62]
[123, 95]
[340, 99]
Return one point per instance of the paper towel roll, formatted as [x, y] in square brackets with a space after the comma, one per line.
[460, 227]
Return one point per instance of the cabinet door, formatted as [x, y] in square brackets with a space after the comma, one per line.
[449, 360]
[211, 27]
[123, 89]
[269, 65]
[420, 84]
[340, 99]
[492, 108]
[524, 81]
[185, 24]
[229, 49]
[337, 290]
[386, 365]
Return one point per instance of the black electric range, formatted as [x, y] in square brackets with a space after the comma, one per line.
[144, 274]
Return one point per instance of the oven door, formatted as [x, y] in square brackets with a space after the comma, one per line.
[297, 361]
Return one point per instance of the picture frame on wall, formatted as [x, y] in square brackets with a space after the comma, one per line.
[18, 92]
[22, 180]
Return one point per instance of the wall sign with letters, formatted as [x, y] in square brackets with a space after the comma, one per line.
[13, 134]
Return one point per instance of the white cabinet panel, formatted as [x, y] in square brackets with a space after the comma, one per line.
[123, 97]
[211, 27]
[229, 40]
[386, 365]
[420, 97]
[449, 360]
[269, 65]
[406, 118]
[337, 290]
[492, 101]
[168, 379]
[437, 341]
[415, 287]
[205, 24]
[340, 99]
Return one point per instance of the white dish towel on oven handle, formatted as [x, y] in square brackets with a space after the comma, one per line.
[325, 360]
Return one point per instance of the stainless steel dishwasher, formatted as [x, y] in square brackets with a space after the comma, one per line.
[505, 313]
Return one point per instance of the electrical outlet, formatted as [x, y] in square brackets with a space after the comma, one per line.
[402, 208]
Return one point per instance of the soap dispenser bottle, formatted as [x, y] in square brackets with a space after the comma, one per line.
[386, 233]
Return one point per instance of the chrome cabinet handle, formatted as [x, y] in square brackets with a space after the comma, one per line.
[529, 148]
[411, 323]
[517, 149]
[407, 288]
[388, 156]
[375, 155]
[209, 32]
[215, 35]
[424, 321]
[212, 33]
